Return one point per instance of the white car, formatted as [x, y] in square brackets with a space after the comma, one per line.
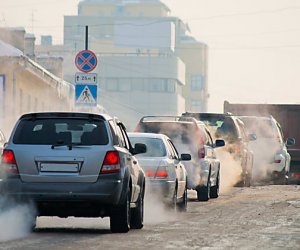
[271, 158]
[165, 172]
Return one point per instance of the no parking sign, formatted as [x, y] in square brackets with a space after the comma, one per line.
[86, 61]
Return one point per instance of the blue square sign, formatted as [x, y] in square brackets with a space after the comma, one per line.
[86, 94]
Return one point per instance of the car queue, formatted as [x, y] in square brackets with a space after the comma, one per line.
[88, 165]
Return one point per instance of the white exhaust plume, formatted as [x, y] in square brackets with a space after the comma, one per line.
[15, 219]
[156, 211]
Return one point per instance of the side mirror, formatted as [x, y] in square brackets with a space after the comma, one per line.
[140, 148]
[252, 137]
[185, 157]
[290, 142]
[219, 143]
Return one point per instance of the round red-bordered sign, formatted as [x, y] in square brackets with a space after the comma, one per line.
[86, 61]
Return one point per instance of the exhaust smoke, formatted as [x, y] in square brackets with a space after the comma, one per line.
[16, 220]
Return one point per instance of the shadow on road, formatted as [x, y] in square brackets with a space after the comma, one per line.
[66, 230]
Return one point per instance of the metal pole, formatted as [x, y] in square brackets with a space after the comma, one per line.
[86, 37]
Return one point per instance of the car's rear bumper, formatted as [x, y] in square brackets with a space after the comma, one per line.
[161, 189]
[104, 194]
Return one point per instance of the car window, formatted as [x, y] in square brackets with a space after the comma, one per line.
[222, 127]
[155, 146]
[114, 133]
[61, 131]
[209, 138]
[261, 127]
[174, 151]
[123, 135]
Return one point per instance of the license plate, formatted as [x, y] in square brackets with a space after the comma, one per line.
[59, 167]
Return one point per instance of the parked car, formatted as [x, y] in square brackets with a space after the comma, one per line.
[75, 164]
[232, 130]
[192, 136]
[2, 141]
[163, 167]
[271, 158]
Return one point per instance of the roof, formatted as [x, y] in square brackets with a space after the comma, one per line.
[64, 115]
[147, 135]
[8, 50]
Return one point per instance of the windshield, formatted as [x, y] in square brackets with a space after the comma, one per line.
[183, 131]
[261, 127]
[221, 127]
[155, 146]
[61, 131]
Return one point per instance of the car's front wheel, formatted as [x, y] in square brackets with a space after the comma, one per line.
[182, 206]
[137, 214]
[120, 217]
[214, 190]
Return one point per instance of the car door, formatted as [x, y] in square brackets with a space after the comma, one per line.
[211, 156]
[179, 169]
[130, 161]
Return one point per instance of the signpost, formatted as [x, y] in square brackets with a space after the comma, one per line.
[85, 82]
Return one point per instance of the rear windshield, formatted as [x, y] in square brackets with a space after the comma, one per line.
[155, 146]
[185, 132]
[222, 127]
[61, 131]
[262, 128]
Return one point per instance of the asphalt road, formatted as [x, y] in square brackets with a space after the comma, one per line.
[243, 218]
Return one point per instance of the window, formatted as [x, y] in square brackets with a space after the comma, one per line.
[196, 103]
[138, 84]
[125, 85]
[197, 83]
[112, 84]
[61, 131]
[155, 146]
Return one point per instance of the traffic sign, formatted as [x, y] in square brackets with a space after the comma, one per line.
[85, 78]
[86, 61]
[86, 94]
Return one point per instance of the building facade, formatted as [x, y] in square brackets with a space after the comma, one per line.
[148, 65]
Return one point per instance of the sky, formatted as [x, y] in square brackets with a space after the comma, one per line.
[254, 45]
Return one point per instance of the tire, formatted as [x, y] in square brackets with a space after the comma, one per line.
[137, 214]
[120, 217]
[214, 190]
[182, 206]
[203, 192]
[174, 202]
[33, 223]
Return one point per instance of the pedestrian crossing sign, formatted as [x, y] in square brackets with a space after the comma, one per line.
[86, 94]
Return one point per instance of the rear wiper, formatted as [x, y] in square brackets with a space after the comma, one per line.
[70, 145]
[61, 145]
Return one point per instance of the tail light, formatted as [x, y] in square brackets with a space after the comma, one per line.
[111, 163]
[201, 153]
[149, 173]
[9, 163]
[161, 172]
[295, 175]
[277, 161]
[137, 129]
[237, 149]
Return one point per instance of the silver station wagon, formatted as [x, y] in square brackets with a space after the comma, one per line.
[75, 164]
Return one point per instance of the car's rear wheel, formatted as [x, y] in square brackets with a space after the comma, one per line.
[182, 206]
[120, 217]
[203, 192]
[137, 214]
[214, 190]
